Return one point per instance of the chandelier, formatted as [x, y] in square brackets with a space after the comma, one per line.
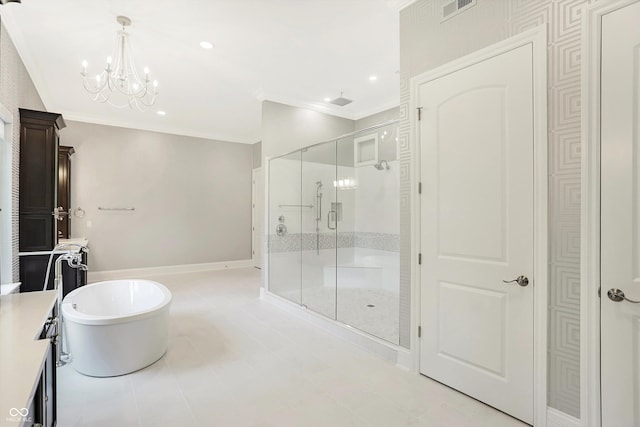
[119, 84]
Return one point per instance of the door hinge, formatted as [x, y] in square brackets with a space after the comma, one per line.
[419, 113]
[419, 331]
[420, 259]
[419, 188]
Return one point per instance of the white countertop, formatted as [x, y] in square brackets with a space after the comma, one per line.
[9, 288]
[22, 354]
[75, 240]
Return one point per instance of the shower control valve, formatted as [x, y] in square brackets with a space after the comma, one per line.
[281, 229]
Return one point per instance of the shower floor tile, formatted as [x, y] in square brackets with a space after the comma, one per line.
[234, 360]
[374, 311]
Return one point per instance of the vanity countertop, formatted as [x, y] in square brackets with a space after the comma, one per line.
[22, 354]
[10, 288]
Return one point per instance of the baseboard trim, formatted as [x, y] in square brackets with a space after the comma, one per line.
[397, 355]
[137, 273]
[557, 418]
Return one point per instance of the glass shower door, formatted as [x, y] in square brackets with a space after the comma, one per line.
[319, 229]
[285, 226]
[368, 267]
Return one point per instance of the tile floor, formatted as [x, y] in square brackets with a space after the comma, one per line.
[234, 360]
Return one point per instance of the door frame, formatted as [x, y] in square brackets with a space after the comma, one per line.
[537, 37]
[590, 403]
[257, 192]
[6, 203]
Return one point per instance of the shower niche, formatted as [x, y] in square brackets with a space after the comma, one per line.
[340, 254]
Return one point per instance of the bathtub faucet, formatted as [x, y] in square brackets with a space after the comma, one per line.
[74, 259]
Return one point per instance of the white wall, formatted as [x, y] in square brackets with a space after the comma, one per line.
[192, 197]
[378, 118]
[286, 128]
[377, 202]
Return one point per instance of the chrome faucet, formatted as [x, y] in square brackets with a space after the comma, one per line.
[74, 259]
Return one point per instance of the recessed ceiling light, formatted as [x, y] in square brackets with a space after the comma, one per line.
[373, 78]
[327, 99]
[162, 113]
[206, 45]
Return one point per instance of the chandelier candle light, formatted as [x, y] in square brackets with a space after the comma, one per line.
[119, 83]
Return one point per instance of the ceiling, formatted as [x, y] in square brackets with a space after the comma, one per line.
[297, 52]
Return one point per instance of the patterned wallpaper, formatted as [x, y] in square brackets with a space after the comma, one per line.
[425, 43]
[16, 91]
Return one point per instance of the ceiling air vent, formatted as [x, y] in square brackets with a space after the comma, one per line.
[341, 101]
[453, 8]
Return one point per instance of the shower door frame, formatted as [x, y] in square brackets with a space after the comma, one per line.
[6, 204]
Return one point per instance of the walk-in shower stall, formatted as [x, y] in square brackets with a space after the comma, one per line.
[333, 227]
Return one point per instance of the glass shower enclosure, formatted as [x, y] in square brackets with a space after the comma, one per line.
[333, 229]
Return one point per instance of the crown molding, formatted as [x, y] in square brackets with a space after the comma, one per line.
[399, 4]
[330, 110]
[172, 130]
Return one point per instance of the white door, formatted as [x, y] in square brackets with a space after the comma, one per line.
[5, 186]
[476, 139]
[257, 216]
[620, 217]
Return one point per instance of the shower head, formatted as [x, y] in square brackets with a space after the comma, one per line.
[382, 165]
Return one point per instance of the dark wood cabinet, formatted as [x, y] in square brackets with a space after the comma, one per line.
[39, 142]
[33, 269]
[43, 410]
[64, 191]
[44, 185]
[44, 406]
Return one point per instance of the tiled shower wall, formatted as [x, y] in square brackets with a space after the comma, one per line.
[16, 91]
[294, 242]
[426, 43]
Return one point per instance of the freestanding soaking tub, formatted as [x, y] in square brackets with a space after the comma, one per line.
[116, 327]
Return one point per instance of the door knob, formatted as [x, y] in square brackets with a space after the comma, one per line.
[617, 295]
[520, 280]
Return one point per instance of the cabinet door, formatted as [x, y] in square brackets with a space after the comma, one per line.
[50, 389]
[38, 179]
[45, 398]
[33, 269]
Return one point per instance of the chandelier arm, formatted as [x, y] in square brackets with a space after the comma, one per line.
[89, 89]
[99, 97]
[143, 93]
[151, 101]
